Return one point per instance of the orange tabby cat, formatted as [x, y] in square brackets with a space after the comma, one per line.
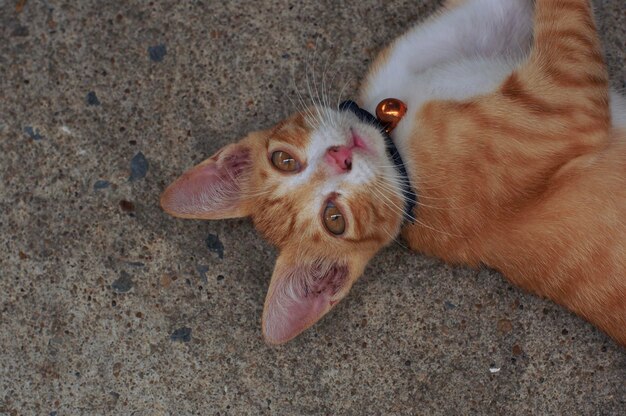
[509, 142]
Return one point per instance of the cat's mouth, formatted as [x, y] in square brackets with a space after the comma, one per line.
[362, 142]
[357, 144]
[358, 141]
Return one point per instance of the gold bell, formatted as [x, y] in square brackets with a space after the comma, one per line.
[390, 111]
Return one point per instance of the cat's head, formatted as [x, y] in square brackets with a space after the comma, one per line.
[321, 187]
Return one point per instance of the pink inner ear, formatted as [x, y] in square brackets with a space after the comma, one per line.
[300, 297]
[212, 189]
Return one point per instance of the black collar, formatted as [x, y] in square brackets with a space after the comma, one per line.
[410, 197]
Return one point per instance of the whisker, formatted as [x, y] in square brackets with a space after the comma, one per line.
[419, 181]
[397, 182]
[411, 217]
[345, 85]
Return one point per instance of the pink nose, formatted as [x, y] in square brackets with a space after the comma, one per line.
[340, 156]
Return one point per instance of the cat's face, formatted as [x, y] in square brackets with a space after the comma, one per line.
[321, 187]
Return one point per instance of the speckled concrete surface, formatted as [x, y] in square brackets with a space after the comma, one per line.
[108, 306]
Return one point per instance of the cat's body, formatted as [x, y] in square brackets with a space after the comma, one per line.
[548, 209]
[516, 157]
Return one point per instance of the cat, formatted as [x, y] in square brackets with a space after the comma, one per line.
[511, 154]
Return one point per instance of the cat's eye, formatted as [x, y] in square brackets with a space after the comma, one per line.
[285, 162]
[334, 221]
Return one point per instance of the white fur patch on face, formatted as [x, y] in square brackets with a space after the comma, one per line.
[336, 128]
[370, 161]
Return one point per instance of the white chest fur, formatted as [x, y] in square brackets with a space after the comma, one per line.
[465, 52]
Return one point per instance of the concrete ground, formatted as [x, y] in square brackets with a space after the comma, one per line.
[110, 307]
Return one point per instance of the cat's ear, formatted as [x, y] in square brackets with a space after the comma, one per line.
[214, 189]
[300, 294]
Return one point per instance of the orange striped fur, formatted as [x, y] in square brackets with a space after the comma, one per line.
[528, 179]
[543, 189]
[290, 219]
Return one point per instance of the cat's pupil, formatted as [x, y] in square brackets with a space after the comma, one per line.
[333, 219]
[284, 161]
